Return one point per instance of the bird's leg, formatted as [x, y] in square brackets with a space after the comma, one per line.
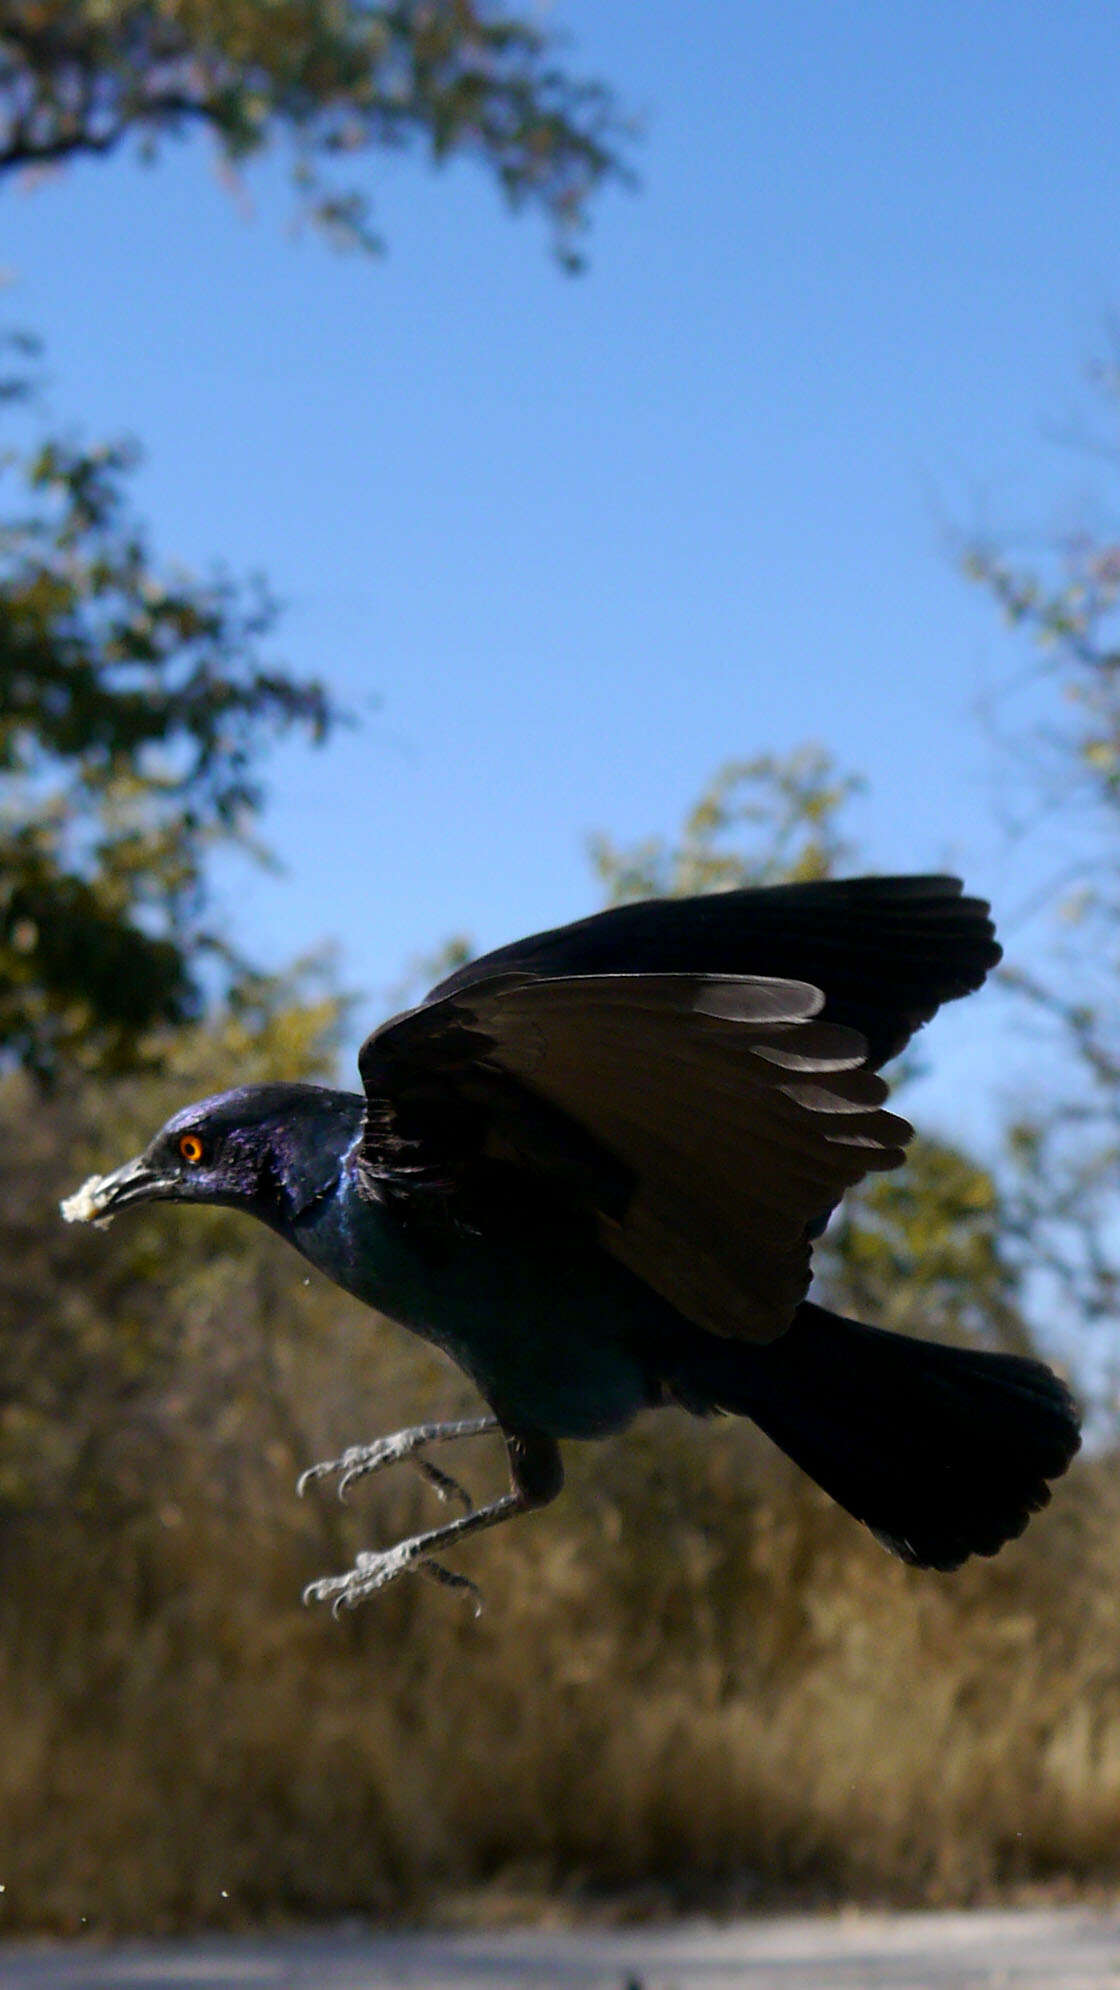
[536, 1476]
[363, 1458]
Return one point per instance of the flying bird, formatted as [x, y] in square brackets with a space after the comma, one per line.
[591, 1167]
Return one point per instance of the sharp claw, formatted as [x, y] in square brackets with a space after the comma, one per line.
[324, 1469]
[403, 1444]
[352, 1465]
[362, 1459]
[450, 1579]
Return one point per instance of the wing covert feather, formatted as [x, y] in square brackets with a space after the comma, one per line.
[733, 1116]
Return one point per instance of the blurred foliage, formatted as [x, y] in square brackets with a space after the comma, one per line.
[925, 1251]
[1062, 1216]
[89, 1338]
[334, 79]
[757, 822]
[134, 708]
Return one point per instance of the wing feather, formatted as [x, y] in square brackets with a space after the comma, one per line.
[732, 1117]
[884, 951]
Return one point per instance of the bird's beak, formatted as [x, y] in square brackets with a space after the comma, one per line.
[98, 1199]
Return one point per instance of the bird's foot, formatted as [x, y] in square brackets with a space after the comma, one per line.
[361, 1459]
[536, 1476]
[374, 1570]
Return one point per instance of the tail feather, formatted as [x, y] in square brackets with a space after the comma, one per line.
[943, 1452]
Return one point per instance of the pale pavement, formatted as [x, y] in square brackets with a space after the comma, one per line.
[1066, 1949]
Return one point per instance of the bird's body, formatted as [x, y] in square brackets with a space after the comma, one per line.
[591, 1168]
[557, 1338]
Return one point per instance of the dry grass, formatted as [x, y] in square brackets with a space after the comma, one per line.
[656, 1705]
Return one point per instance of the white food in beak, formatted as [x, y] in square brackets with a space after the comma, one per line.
[81, 1207]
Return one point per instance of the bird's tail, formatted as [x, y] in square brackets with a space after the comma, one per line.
[944, 1452]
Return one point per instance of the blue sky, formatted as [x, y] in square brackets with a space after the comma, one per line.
[568, 545]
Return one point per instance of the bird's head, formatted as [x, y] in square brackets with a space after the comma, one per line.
[269, 1149]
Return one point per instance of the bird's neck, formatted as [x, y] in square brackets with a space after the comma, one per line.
[306, 1156]
[351, 1237]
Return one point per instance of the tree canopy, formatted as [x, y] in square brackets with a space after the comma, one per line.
[134, 705]
[1063, 1147]
[335, 80]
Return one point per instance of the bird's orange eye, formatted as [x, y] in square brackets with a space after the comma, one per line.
[190, 1147]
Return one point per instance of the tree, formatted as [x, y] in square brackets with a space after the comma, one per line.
[89, 1339]
[133, 709]
[1063, 1151]
[335, 79]
[757, 822]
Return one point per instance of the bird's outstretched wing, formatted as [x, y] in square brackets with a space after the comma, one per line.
[705, 1125]
[885, 951]
[694, 1078]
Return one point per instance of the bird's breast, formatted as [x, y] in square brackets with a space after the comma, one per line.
[556, 1339]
